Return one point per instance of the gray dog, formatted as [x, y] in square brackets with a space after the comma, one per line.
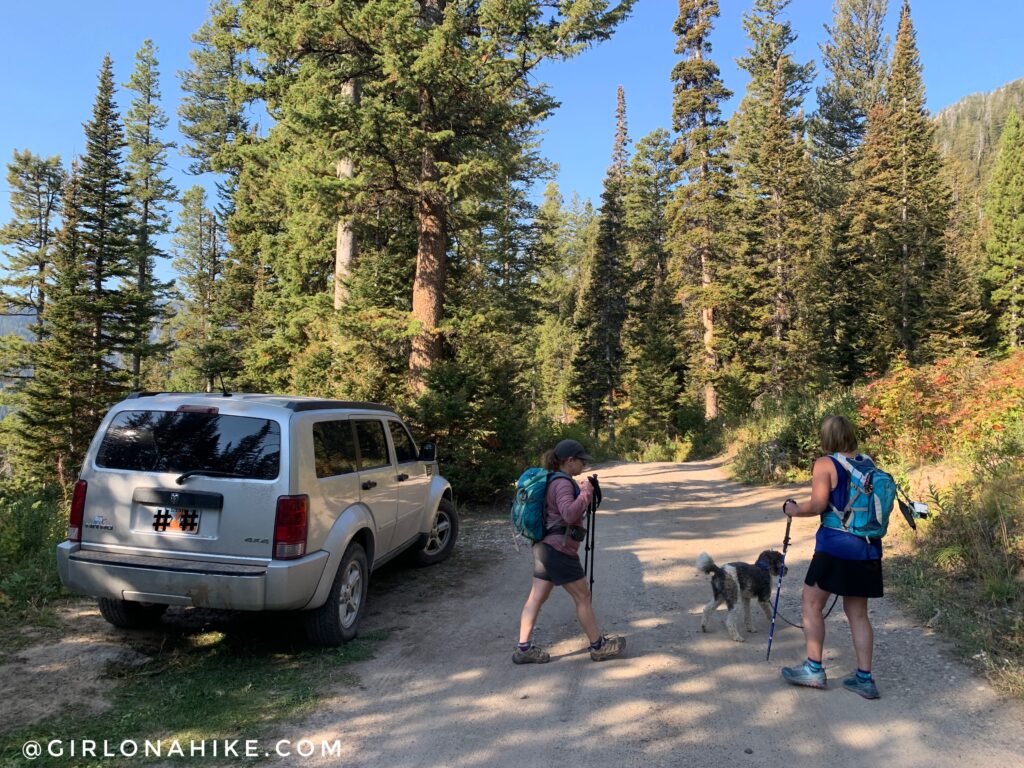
[740, 582]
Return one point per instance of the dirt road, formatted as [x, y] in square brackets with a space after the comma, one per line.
[442, 690]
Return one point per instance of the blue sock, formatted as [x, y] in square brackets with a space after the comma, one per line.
[814, 666]
[525, 646]
[596, 645]
[864, 675]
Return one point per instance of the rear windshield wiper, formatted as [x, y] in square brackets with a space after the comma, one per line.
[206, 473]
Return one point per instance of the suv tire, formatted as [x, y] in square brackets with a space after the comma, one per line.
[441, 539]
[337, 620]
[128, 614]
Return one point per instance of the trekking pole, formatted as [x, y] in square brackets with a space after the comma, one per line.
[588, 545]
[778, 588]
[595, 500]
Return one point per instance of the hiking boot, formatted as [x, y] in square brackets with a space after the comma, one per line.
[532, 655]
[865, 688]
[613, 645]
[804, 675]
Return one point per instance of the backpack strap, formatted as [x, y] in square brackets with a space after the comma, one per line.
[576, 492]
[863, 482]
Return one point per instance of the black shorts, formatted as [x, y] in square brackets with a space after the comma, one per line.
[849, 578]
[551, 565]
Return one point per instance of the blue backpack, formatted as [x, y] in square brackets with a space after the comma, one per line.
[529, 507]
[869, 500]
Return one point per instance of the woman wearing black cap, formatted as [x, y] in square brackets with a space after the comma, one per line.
[556, 561]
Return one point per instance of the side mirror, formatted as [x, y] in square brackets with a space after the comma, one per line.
[428, 452]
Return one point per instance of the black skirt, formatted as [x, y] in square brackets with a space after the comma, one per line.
[551, 565]
[849, 578]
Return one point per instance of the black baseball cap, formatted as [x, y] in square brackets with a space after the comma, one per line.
[570, 449]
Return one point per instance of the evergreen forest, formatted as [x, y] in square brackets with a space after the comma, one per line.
[390, 233]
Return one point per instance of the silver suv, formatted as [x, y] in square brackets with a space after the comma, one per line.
[250, 502]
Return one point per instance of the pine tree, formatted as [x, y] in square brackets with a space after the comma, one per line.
[653, 375]
[861, 315]
[106, 227]
[772, 174]
[893, 257]
[198, 327]
[36, 186]
[855, 57]
[920, 209]
[700, 210]
[565, 242]
[446, 100]
[1004, 210]
[75, 380]
[957, 302]
[150, 192]
[212, 114]
[601, 306]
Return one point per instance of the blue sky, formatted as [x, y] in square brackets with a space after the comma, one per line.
[51, 50]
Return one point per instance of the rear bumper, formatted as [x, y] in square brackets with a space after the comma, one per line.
[275, 586]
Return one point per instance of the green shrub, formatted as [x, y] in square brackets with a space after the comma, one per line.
[781, 439]
[32, 522]
[965, 570]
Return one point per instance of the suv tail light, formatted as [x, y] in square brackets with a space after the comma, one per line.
[290, 527]
[77, 511]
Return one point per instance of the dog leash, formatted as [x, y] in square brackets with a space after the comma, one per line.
[835, 599]
[778, 587]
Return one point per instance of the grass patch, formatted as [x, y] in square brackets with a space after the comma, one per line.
[225, 681]
[27, 625]
[964, 574]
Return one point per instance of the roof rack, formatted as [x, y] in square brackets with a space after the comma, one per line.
[323, 405]
[136, 395]
[296, 406]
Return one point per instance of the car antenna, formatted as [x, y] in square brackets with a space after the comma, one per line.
[223, 389]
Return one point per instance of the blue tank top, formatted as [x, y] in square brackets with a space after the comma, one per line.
[841, 544]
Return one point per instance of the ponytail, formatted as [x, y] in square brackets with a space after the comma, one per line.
[550, 462]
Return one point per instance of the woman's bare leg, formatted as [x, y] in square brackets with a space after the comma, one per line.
[540, 590]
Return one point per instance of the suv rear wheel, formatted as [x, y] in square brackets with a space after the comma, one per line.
[337, 620]
[128, 614]
[441, 539]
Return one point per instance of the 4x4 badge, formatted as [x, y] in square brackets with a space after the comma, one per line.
[174, 498]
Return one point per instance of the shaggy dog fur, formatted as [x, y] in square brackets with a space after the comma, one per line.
[740, 582]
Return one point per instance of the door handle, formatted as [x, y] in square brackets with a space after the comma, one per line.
[368, 484]
[402, 477]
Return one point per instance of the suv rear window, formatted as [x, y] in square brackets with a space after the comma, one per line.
[169, 441]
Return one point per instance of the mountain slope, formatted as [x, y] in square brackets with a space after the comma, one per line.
[969, 130]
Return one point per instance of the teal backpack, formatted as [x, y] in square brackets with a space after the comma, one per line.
[869, 500]
[530, 502]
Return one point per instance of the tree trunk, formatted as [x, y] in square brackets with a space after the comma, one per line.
[345, 243]
[431, 236]
[707, 313]
[428, 286]
[707, 317]
[141, 282]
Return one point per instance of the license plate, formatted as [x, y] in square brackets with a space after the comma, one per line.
[176, 520]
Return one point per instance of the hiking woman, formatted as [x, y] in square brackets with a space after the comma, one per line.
[556, 561]
[843, 564]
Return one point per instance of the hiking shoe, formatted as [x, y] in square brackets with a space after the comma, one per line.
[613, 645]
[532, 655]
[865, 688]
[804, 675]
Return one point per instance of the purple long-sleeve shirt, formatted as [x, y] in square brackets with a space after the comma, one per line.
[564, 508]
